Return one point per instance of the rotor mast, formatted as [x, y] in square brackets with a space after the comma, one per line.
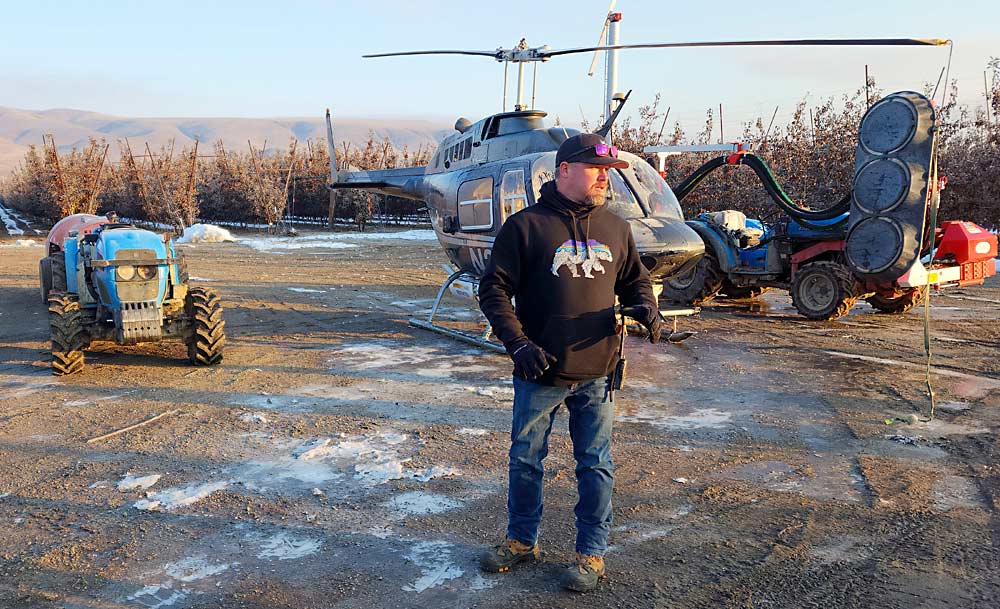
[614, 19]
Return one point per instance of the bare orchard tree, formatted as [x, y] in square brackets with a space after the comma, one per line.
[74, 180]
[271, 179]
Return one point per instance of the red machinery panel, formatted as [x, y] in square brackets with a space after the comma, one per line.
[966, 242]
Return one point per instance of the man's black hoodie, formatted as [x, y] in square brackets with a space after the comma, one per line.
[564, 262]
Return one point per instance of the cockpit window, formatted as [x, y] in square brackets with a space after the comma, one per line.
[653, 190]
[620, 199]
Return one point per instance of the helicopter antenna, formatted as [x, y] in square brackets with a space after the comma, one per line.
[606, 127]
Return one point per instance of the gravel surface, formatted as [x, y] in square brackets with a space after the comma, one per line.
[339, 457]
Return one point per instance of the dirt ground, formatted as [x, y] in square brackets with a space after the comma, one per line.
[339, 457]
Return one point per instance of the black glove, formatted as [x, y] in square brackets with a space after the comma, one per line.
[649, 317]
[530, 360]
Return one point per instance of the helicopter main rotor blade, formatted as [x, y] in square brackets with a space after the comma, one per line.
[761, 43]
[492, 54]
[604, 32]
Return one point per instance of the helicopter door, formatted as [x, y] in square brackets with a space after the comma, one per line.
[512, 195]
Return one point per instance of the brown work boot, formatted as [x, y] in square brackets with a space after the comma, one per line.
[582, 576]
[501, 558]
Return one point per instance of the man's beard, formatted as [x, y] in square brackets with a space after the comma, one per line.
[596, 197]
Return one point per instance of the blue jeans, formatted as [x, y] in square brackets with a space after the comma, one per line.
[590, 417]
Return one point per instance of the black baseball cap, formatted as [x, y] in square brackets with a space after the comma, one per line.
[589, 148]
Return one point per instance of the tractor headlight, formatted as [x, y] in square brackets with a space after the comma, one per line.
[146, 272]
[125, 272]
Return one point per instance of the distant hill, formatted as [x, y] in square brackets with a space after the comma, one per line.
[73, 128]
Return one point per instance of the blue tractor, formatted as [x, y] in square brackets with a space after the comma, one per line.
[872, 244]
[109, 281]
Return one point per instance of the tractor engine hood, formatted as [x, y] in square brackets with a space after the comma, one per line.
[130, 272]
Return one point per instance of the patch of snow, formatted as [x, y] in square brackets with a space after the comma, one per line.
[285, 546]
[152, 596]
[193, 568]
[381, 532]
[417, 503]
[9, 222]
[192, 278]
[435, 563]
[100, 484]
[130, 482]
[205, 233]
[22, 243]
[472, 431]
[306, 291]
[173, 498]
[700, 418]
[371, 460]
[270, 244]
[254, 417]
[406, 235]
[427, 361]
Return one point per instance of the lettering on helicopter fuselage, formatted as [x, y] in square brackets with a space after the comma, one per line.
[480, 256]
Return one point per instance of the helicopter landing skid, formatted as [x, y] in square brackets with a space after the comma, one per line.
[482, 340]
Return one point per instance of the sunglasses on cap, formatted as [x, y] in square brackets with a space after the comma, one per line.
[595, 150]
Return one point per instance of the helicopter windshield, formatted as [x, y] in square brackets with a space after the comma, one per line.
[653, 190]
[619, 197]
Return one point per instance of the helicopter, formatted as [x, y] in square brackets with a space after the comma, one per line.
[490, 169]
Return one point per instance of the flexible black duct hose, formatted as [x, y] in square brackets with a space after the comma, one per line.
[803, 216]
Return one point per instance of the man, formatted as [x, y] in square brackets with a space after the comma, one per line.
[563, 261]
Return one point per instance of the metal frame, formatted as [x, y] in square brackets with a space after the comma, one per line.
[479, 341]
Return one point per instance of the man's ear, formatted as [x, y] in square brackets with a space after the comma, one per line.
[563, 169]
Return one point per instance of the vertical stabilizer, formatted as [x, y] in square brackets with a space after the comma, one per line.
[332, 148]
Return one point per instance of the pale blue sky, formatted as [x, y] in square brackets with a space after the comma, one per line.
[295, 58]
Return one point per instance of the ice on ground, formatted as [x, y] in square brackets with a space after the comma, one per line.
[20, 389]
[427, 361]
[158, 596]
[952, 492]
[969, 385]
[435, 563]
[205, 233]
[306, 291]
[173, 498]
[472, 431]
[700, 418]
[285, 546]
[194, 568]
[417, 503]
[130, 482]
[270, 244]
[370, 460]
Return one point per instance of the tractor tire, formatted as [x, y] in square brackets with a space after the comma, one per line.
[895, 306]
[69, 338]
[740, 293]
[58, 272]
[207, 336]
[45, 277]
[699, 285]
[824, 290]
